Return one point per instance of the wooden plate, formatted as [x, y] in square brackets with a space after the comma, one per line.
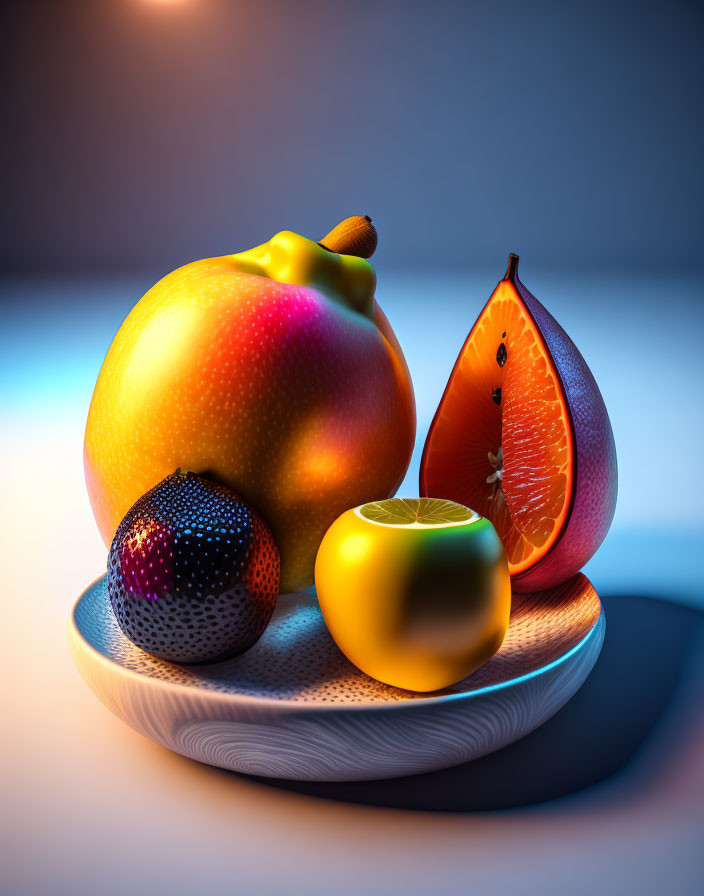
[294, 707]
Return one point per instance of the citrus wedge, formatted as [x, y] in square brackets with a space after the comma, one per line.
[522, 436]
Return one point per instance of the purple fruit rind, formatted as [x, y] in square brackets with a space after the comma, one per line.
[595, 490]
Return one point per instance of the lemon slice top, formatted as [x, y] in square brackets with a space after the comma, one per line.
[416, 513]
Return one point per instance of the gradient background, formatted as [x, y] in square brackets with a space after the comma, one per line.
[141, 134]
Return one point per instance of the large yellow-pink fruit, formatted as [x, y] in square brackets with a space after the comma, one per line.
[274, 372]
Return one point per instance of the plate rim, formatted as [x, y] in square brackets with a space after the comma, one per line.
[288, 705]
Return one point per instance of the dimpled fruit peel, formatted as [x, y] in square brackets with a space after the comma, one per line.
[273, 371]
[522, 435]
[414, 591]
[193, 572]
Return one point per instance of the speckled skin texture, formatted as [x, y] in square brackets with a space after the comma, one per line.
[193, 572]
[291, 398]
[294, 707]
[595, 484]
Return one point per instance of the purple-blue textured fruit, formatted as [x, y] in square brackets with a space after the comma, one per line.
[193, 572]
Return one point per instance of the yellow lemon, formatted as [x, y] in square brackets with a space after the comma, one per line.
[414, 591]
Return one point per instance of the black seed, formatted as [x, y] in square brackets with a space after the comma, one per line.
[503, 335]
[501, 355]
[496, 395]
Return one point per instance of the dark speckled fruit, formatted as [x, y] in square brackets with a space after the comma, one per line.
[193, 572]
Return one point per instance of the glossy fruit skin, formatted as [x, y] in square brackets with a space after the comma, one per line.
[595, 485]
[193, 572]
[296, 397]
[592, 500]
[415, 608]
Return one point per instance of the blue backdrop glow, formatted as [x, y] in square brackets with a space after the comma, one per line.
[146, 133]
[142, 134]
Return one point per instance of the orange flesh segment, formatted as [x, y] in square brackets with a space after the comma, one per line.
[529, 504]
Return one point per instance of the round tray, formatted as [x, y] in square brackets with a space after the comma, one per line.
[294, 707]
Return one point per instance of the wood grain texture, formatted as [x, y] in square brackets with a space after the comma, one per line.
[294, 707]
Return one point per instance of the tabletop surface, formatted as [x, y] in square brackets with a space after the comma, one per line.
[606, 796]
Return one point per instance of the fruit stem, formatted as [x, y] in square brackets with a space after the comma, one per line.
[512, 269]
[353, 236]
